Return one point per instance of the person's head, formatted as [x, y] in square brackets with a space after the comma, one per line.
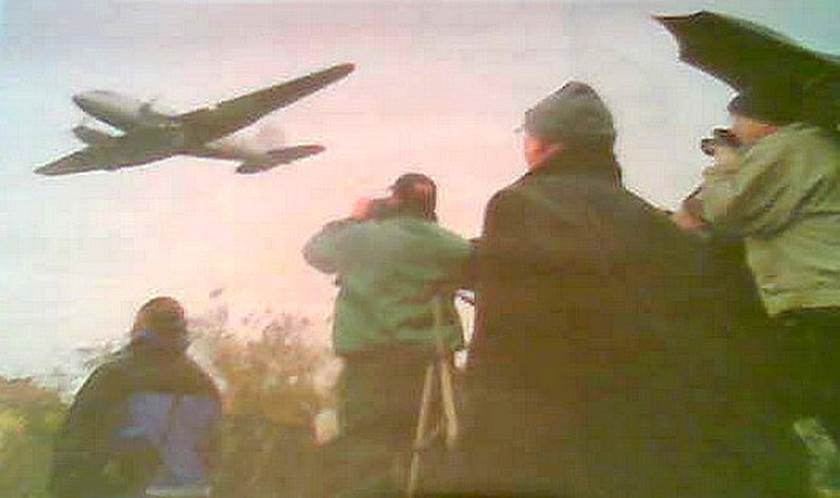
[163, 316]
[574, 118]
[757, 114]
[415, 193]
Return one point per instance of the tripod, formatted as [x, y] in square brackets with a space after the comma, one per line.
[437, 382]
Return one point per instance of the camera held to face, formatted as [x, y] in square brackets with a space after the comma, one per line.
[382, 207]
[720, 137]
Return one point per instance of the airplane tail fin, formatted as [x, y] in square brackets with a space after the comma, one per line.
[276, 157]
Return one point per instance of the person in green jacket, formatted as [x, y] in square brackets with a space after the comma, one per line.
[780, 192]
[391, 259]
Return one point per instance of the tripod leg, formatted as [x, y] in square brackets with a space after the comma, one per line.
[422, 430]
[450, 414]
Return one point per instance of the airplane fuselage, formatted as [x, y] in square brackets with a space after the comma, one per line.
[130, 114]
[120, 111]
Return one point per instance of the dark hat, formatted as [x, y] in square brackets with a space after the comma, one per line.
[407, 182]
[574, 114]
[773, 106]
[163, 315]
[416, 190]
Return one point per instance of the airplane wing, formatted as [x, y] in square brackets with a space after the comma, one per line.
[121, 152]
[213, 122]
[77, 162]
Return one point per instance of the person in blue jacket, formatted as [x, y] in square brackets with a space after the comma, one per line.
[144, 424]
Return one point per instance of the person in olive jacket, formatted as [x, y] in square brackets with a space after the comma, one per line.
[780, 192]
[599, 366]
[391, 259]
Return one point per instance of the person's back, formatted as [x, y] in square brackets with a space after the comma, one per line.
[784, 200]
[780, 191]
[143, 424]
[390, 270]
[390, 267]
[171, 409]
[600, 366]
[593, 262]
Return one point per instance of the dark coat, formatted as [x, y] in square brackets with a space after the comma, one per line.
[84, 446]
[601, 363]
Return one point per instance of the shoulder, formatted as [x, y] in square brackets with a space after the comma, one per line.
[419, 227]
[189, 377]
[113, 370]
[513, 193]
[798, 147]
[503, 201]
[805, 131]
[349, 228]
[555, 191]
[797, 137]
[340, 230]
[366, 228]
[446, 236]
[818, 142]
[107, 383]
[350, 233]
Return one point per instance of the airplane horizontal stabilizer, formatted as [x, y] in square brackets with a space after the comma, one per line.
[276, 157]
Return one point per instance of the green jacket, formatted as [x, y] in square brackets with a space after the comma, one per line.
[389, 272]
[783, 198]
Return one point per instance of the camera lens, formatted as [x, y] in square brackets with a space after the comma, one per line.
[707, 145]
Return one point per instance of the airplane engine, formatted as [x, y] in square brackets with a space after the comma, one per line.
[90, 136]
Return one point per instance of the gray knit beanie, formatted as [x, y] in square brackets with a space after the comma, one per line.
[574, 115]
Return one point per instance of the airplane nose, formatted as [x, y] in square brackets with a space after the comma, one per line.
[88, 100]
[80, 100]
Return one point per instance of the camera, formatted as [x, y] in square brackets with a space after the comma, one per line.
[381, 208]
[720, 136]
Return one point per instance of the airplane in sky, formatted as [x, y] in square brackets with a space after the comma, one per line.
[149, 134]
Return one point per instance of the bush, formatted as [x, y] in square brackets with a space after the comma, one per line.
[29, 417]
[271, 398]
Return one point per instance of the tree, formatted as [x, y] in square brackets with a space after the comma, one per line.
[271, 400]
[29, 416]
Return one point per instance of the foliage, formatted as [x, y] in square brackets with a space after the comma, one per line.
[270, 378]
[29, 416]
[825, 461]
[271, 396]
